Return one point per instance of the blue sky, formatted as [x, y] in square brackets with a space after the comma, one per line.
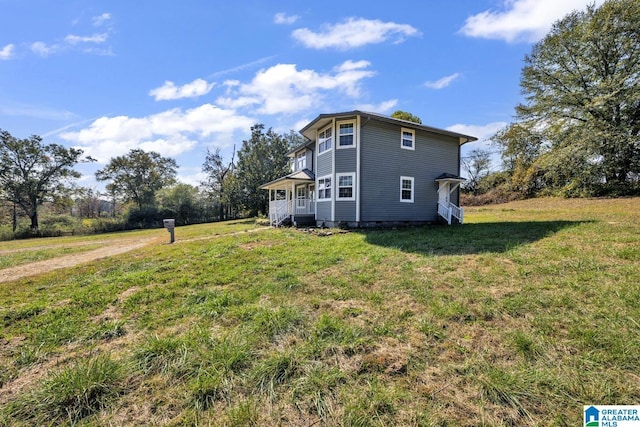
[181, 77]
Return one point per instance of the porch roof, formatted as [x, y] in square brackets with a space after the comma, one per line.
[450, 177]
[304, 175]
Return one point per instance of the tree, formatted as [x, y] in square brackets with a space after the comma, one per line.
[183, 202]
[138, 175]
[403, 115]
[261, 159]
[582, 88]
[217, 172]
[477, 165]
[32, 173]
[521, 151]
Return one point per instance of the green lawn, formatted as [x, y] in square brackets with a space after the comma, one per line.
[519, 317]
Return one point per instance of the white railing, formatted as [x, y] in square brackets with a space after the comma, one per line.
[451, 210]
[304, 206]
[457, 212]
[279, 210]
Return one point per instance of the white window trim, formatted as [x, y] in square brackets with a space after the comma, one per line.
[353, 186]
[413, 138]
[318, 189]
[333, 139]
[355, 142]
[407, 178]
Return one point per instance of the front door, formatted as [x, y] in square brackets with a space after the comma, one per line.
[301, 200]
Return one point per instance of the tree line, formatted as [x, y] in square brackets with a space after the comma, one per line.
[578, 132]
[141, 187]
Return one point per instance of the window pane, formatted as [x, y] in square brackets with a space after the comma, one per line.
[327, 182]
[345, 181]
[346, 140]
[406, 194]
[346, 129]
[346, 192]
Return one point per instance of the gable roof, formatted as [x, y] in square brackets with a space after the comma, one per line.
[324, 119]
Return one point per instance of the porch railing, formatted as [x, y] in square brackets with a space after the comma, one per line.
[449, 211]
[280, 210]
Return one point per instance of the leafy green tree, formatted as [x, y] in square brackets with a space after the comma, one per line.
[183, 202]
[261, 159]
[217, 172]
[582, 88]
[521, 151]
[138, 175]
[403, 115]
[32, 173]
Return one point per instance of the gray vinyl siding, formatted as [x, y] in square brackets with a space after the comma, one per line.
[383, 162]
[324, 164]
[346, 160]
[345, 211]
[323, 210]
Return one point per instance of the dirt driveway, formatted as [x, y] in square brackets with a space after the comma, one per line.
[111, 248]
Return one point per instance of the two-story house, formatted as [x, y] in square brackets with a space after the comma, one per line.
[365, 169]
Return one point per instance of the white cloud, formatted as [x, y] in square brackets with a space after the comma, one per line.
[6, 52]
[521, 20]
[283, 18]
[169, 90]
[170, 132]
[383, 107]
[443, 82]
[354, 32]
[43, 49]
[482, 132]
[100, 20]
[284, 89]
[95, 38]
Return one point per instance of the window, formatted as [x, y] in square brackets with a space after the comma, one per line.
[325, 139]
[301, 160]
[346, 135]
[346, 186]
[407, 139]
[406, 189]
[324, 188]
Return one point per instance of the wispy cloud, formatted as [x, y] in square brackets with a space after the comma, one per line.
[36, 111]
[43, 49]
[7, 52]
[283, 18]
[521, 20]
[100, 20]
[241, 67]
[353, 33]
[443, 82]
[382, 107]
[95, 38]
[169, 90]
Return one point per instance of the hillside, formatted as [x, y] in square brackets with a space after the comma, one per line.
[519, 317]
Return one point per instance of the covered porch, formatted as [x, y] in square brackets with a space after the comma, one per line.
[292, 199]
[449, 211]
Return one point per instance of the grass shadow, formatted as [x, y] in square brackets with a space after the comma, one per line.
[492, 237]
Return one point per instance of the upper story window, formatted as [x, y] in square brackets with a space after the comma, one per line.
[407, 139]
[324, 188]
[325, 140]
[346, 136]
[406, 189]
[301, 160]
